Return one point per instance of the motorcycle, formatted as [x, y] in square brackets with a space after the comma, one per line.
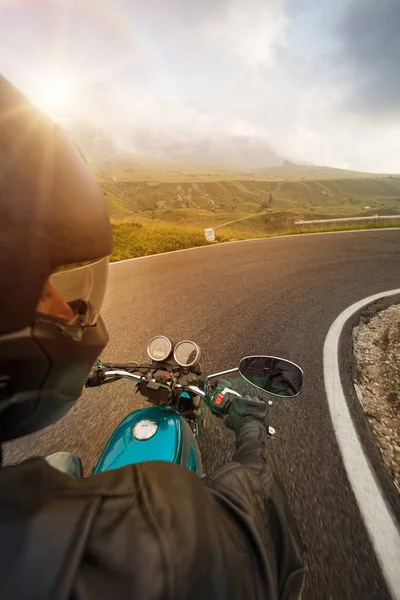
[176, 387]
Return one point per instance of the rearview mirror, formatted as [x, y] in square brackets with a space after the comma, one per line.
[276, 376]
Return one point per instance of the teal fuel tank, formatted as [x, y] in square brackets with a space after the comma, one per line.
[154, 433]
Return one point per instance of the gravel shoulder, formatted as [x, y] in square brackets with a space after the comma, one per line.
[376, 344]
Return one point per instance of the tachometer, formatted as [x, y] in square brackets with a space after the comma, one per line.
[187, 353]
[159, 348]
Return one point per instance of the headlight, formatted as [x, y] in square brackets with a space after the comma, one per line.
[187, 353]
[159, 348]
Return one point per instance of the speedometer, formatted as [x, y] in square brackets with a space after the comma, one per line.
[187, 353]
[159, 348]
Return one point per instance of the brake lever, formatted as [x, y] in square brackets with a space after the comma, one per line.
[96, 376]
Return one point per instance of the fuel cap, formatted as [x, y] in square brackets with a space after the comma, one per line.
[144, 430]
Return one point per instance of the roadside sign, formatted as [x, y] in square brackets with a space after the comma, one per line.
[209, 234]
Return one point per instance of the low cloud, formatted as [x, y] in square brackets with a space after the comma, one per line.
[257, 81]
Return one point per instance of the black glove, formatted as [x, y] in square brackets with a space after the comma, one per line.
[246, 407]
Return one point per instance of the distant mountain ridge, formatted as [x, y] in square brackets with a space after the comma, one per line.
[237, 152]
[228, 150]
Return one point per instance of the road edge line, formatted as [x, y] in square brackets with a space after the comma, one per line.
[378, 520]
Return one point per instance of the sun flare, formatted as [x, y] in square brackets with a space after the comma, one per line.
[54, 95]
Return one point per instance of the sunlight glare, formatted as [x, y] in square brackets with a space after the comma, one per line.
[54, 95]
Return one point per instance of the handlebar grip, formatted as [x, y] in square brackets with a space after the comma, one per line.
[120, 366]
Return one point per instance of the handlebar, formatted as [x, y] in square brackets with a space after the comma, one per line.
[117, 373]
[127, 375]
[121, 373]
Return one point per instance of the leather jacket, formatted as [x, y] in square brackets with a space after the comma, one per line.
[150, 531]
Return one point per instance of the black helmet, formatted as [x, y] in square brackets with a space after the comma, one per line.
[55, 237]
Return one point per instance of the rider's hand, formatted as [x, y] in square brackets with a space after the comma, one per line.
[246, 407]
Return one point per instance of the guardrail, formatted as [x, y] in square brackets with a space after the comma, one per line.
[209, 233]
[346, 219]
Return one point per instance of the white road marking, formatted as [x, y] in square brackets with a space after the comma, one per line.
[276, 237]
[381, 526]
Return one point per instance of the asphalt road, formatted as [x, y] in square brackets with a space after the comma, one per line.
[276, 296]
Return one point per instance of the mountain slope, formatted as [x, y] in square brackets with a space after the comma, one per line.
[335, 196]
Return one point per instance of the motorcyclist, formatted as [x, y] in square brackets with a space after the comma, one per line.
[151, 530]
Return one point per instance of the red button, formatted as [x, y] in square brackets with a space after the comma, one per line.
[219, 399]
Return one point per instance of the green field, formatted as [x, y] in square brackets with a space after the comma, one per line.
[157, 207]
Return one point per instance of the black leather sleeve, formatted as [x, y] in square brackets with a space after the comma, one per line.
[251, 482]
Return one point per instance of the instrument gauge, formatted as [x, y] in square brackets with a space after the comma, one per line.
[159, 348]
[187, 354]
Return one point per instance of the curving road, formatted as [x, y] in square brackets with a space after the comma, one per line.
[276, 296]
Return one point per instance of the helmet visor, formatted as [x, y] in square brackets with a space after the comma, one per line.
[87, 283]
[73, 293]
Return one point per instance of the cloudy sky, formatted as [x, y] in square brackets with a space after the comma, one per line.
[316, 80]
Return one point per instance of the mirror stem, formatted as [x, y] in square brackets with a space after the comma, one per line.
[222, 373]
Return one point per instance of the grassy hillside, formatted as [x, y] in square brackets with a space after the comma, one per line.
[132, 238]
[158, 206]
[328, 197]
